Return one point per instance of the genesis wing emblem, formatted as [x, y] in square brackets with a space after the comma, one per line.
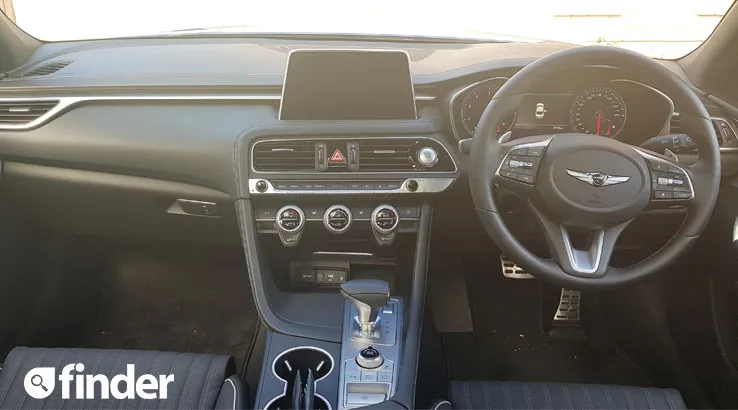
[597, 179]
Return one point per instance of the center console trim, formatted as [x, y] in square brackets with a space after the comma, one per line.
[424, 185]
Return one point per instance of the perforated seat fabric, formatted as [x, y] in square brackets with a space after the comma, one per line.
[524, 395]
[201, 381]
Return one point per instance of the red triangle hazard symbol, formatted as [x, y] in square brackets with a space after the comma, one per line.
[337, 156]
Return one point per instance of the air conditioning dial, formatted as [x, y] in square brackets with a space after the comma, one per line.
[289, 222]
[337, 219]
[385, 221]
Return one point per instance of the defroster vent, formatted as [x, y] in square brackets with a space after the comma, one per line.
[284, 156]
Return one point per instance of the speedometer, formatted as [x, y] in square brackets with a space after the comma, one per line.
[598, 111]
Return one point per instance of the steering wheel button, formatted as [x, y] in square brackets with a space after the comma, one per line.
[682, 195]
[662, 195]
[535, 151]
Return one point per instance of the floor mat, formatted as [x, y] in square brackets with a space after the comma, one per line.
[508, 342]
[185, 298]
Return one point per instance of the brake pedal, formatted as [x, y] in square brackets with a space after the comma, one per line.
[570, 307]
[511, 270]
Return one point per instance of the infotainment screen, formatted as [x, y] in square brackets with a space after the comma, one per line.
[348, 85]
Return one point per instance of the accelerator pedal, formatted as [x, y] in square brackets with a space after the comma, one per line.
[567, 322]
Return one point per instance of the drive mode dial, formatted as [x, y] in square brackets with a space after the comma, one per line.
[337, 219]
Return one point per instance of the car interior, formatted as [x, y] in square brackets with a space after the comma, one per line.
[333, 222]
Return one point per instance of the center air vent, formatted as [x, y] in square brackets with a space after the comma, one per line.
[47, 69]
[278, 156]
[386, 155]
[403, 155]
[20, 113]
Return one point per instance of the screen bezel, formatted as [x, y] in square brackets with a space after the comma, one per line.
[344, 50]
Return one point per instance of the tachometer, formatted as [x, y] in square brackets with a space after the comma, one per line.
[474, 103]
[598, 111]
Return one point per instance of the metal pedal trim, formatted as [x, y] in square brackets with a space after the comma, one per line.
[511, 270]
[570, 304]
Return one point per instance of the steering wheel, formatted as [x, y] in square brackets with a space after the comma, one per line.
[587, 183]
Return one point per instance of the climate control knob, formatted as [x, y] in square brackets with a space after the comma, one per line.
[337, 219]
[427, 156]
[289, 223]
[385, 221]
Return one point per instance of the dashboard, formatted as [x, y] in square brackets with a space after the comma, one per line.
[589, 100]
[121, 134]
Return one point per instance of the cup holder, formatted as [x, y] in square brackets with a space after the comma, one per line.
[300, 369]
[284, 402]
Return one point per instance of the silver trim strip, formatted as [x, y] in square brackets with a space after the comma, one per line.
[584, 261]
[65, 103]
[357, 138]
[425, 185]
[308, 50]
[451, 115]
[284, 391]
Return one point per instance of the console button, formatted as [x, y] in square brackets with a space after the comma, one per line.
[361, 212]
[314, 212]
[385, 377]
[268, 213]
[354, 186]
[409, 211]
[364, 399]
[338, 186]
[394, 185]
[367, 186]
[380, 186]
[368, 376]
[280, 185]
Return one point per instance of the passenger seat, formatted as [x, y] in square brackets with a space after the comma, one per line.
[42, 378]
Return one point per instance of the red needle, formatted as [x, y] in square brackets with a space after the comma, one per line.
[599, 121]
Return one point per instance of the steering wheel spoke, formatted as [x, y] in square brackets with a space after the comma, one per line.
[520, 162]
[587, 257]
[671, 184]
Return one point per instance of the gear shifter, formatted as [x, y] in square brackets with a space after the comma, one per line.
[367, 295]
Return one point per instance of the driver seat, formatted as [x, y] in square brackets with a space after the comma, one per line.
[530, 395]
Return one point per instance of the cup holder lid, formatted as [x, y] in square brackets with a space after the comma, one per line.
[300, 359]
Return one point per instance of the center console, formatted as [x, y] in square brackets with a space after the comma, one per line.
[335, 211]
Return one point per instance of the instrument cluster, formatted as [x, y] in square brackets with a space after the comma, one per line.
[598, 107]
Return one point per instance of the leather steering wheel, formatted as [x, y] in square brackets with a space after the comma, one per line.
[582, 182]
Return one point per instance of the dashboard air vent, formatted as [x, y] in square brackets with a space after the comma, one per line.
[24, 112]
[386, 156]
[47, 69]
[279, 156]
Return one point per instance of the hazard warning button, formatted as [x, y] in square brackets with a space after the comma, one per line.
[337, 157]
